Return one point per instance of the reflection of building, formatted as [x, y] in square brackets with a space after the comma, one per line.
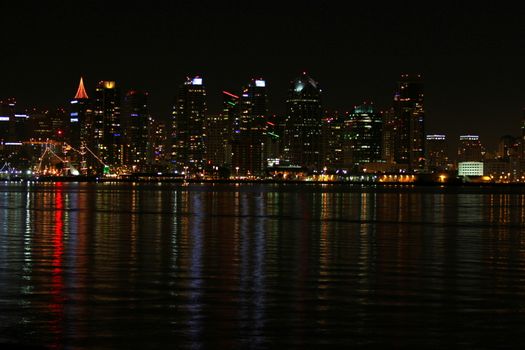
[470, 149]
[189, 133]
[302, 138]
[107, 132]
[136, 122]
[409, 119]
[363, 136]
[436, 152]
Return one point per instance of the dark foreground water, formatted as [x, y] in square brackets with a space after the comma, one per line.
[106, 266]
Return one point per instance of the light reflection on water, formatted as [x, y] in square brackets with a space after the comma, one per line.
[133, 266]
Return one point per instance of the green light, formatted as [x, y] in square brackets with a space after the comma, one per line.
[231, 103]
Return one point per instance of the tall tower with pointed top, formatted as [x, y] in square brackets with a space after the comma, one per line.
[80, 118]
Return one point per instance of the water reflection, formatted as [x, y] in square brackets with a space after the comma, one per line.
[105, 266]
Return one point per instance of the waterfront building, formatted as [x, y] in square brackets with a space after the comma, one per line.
[189, 128]
[362, 136]
[107, 131]
[408, 124]
[80, 125]
[436, 152]
[470, 149]
[470, 168]
[332, 140]
[136, 123]
[302, 138]
[249, 143]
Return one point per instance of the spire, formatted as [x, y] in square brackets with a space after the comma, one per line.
[81, 92]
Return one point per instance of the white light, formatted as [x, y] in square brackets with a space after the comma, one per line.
[4, 119]
[260, 83]
[197, 81]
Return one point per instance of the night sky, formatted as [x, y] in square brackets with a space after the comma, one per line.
[470, 54]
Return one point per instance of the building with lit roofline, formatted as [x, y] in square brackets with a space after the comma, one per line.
[80, 118]
[189, 128]
[302, 139]
[408, 135]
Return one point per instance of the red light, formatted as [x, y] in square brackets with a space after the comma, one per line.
[60, 132]
[230, 94]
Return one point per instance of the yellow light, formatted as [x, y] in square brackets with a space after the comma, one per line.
[442, 178]
[109, 84]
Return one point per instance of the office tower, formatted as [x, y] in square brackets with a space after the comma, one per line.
[436, 152]
[248, 147]
[160, 142]
[221, 130]
[302, 139]
[80, 118]
[508, 146]
[388, 137]
[332, 140]
[362, 136]
[136, 124]
[409, 123]
[189, 132]
[470, 149]
[107, 131]
[7, 120]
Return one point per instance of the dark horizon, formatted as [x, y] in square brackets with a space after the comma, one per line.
[469, 56]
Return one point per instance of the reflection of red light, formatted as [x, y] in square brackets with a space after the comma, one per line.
[57, 274]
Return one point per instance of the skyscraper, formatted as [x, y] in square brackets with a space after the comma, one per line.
[363, 136]
[302, 139]
[470, 149]
[136, 125]
[189, 131]
[248, 149]
[7, 120]
[80, 118]
[436, 152]
[409, 123]
[107, 131]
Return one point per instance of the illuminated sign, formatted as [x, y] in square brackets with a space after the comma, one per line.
[74, 101]
[13, 143]
[196, 81]
[74, 114]
[21, 116]
[74, 120]
[260, 83]
[4, 119]
[109, 84]
[134, 115]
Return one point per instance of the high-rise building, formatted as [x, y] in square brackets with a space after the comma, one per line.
[470, 149]
[508, 147]
[136, 125]
[248, 147]
[107, 131]
[189, 128]
[409, 123]
[302, 139]
[363, 136]
[436, 152]
[332, 138]
[80, 118]
[7, 120]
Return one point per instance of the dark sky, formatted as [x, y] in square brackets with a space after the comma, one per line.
[471, 54]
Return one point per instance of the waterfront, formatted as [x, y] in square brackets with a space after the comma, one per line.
[100, 265]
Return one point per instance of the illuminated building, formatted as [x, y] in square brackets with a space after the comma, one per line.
[436, 152]
[470, 149]
[508, 147]
[362, 137]
[7, 120]
[332, 140]
[248, 147]
[136, 125]
[302, 138]
[222, 129]
[159, 138]
[409, 123]
[470, 168]
[189, 132]
[80, 118]
[107, 131]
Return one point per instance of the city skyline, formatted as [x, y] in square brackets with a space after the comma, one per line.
[469, 56]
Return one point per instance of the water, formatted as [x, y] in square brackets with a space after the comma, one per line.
[104, 266]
